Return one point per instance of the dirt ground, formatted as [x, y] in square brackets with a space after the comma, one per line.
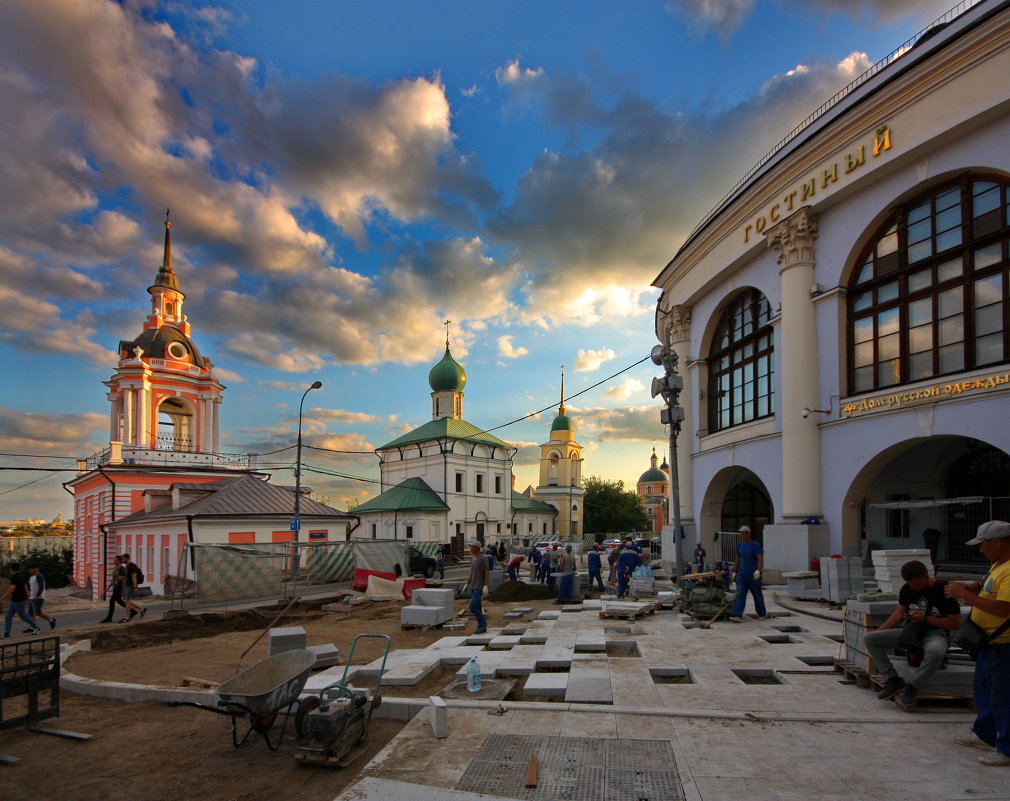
[159, 753]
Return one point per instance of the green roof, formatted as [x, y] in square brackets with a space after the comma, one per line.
[520, 501]
[561, 423]
[445, 428]
[410, 494]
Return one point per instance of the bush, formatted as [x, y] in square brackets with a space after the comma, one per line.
[56, 567]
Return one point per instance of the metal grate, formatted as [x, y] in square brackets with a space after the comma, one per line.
[574, 769]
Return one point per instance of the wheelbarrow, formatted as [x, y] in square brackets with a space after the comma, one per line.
[261, 693]
[334, 724]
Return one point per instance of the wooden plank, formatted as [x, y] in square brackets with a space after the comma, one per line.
[531, 771]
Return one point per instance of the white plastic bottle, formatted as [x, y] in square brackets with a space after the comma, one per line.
[473, 675]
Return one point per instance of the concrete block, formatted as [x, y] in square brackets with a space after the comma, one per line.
[548, 615]
[571, 608]
[326, 655]
[503, 643]
[433, 597]
[533, 638]
[454, 625]
[546, 684]
[523, 609]
[288, 638]
[438, 717]
[513, 615]
[586, 690]
[424, 615]
[555, 658]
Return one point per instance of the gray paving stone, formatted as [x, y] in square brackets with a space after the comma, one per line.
[548, 614]
[546, 684]
[554, 658]
[503, 643]
[533, 639]
[588, 690]
[571, 608]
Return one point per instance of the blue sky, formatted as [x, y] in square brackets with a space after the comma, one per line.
[344, 176]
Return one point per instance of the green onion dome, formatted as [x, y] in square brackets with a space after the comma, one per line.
[448, 375]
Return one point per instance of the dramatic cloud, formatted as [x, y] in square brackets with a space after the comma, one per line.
[50, 434]
[615, 425]
[628, 387]
[342, 416]
[587, 361]
[629, 219]
[508, 350]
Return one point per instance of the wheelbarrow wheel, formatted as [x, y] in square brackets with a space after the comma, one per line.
[308, 705]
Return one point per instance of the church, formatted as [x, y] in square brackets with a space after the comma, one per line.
[451, 481]
[162, 482]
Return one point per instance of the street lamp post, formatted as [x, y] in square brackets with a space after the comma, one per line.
[670, 385]
[296, 522]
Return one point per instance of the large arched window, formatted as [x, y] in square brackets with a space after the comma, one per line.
[741, 363]
[930, 295]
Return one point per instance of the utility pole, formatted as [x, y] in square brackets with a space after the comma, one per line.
[670, 385]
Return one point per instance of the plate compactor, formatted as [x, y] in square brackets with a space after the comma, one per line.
[333, 726]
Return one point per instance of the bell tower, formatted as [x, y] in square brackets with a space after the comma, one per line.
[561, 472]
[164, 397]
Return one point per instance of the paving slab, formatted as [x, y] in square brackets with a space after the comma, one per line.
[546, 684]
[503, 642]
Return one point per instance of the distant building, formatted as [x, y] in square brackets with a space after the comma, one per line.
[162, 482]
[561, 474]
[841, 317]
[653, 488]
[448, 479]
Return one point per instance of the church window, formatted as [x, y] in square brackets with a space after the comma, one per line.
[741, 363]
[480, 483]
[373, 531]
[170, 309]
[459, 482]
[410, 532]
[531, 528]
[930, 295]
[497, 485]
[648, 490]
[552, 473]
[498, 528]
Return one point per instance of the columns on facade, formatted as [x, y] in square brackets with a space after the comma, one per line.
[796, 359]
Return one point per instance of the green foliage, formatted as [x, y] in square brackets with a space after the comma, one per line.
[610, 508]
[54, 566]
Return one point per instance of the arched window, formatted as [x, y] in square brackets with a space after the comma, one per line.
[741, 363]
[929, 297]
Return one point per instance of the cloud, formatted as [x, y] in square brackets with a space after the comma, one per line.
[628, 387]
[228, 375]
[513, 74]
[631, 423]
[343, 416]
[587, 361]
[506, 349]
[725, 17]
[627, 223]
[56, 434]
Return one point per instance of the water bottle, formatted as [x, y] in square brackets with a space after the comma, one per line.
[473, 675]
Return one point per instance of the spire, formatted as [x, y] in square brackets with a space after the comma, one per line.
[561, 406]
[654, 460]
[166, 275]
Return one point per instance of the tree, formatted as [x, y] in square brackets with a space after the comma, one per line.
[610, 508]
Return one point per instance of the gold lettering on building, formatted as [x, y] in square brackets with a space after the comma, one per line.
[826, 176]
[882, 141]
[923, 394]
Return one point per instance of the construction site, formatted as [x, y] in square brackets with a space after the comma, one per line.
[656, 696]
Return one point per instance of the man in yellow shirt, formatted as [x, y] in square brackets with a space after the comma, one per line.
[990, 602]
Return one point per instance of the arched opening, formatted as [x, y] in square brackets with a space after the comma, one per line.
[175, 425]
[735, 497]
[928, 493]
[552, 469]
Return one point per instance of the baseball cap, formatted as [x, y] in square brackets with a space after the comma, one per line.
[474, 544]
[993, 530]
[742, 529]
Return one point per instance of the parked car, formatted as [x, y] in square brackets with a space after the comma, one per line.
[609, 545]
[419, 563]
[545, 545]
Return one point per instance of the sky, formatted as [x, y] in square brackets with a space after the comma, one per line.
[345, 176]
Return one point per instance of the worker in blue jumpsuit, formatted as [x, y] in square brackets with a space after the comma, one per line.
[749, 564]
[626, 564]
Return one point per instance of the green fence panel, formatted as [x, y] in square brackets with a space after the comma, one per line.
[232, 573]
[328, 562]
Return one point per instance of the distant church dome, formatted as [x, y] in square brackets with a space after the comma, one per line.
[448, 375]
[653, 475]
[561, 423]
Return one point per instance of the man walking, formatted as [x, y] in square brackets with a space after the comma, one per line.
[626, 564]
[990, 602]
[480, 575]
[37, 596]
[18, 594]
[750, 560]
[131, 580]
[920, 600]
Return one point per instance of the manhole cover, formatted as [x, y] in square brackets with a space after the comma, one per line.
[490, 690]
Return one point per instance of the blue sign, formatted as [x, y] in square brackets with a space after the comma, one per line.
[296, 523]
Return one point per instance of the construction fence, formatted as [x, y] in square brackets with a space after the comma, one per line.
[220, 573]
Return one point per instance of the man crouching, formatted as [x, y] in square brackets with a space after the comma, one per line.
[920, 600]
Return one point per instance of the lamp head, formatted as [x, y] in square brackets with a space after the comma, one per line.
[316, 385]
[805, 413]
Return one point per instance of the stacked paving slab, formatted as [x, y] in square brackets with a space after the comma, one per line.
[429, 607]
[887, 566]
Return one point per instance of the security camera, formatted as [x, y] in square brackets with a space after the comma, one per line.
[805, 413]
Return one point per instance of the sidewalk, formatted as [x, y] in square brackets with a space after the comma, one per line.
[752, 721]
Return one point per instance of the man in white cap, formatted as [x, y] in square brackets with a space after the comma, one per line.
[750, 561]
[990, 602]
[480, 575]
